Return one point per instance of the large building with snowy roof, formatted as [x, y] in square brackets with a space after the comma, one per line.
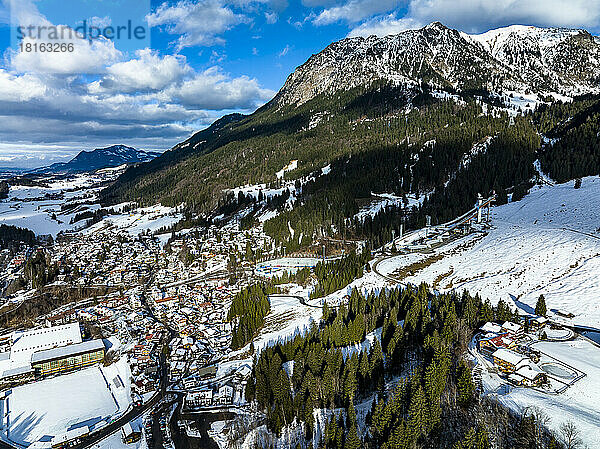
[47, 350]
[67, 358]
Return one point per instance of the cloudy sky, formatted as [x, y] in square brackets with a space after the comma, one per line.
[199, 60]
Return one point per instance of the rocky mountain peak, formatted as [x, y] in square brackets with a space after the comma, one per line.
[519, 58]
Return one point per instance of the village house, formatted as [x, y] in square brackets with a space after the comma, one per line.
[491, 328]
[490, 343]
[201, 398]
[507, 360]
[129, 434]
[513, 329]
[226, 393]
[528, 375]
[536, 323]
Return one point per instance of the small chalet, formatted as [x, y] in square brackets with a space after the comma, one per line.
[491, 327]
[513, 329]
[492, 343]
[528, 375]
[536, 323]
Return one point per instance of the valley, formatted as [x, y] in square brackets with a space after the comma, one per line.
[173, 291]
[401, 249]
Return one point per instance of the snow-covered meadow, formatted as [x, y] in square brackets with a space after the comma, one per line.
[35, 412]
[39, 207]
[578, 403]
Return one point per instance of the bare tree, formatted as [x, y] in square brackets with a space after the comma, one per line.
[540, 422]
[570, 435]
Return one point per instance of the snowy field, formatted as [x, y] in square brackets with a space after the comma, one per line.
[39, 208]
[40, 410]
[379, 201]
[140, 220]
[548, 243]
[288, 317]
[579, 403]
[30, 207]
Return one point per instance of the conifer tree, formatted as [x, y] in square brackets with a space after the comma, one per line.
[540, 306]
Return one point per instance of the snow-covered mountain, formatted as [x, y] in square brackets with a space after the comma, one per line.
[516, 58]
[112, 156]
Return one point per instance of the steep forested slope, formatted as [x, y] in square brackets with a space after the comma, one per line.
[423, 112]
[572, 149]
[419, 389]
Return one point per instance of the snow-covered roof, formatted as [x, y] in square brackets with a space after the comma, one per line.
[70, 435]
[17, 371]
[509, 356]
[512, 327]
[45, 338]
[529, 371]
[65, 351]
[491, 327]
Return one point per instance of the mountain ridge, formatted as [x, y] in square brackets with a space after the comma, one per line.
[99, 158]
[416, 102]
[521, 58]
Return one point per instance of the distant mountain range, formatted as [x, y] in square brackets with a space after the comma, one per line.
[99, 158]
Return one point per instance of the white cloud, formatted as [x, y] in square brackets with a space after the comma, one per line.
[354, 11]
[385, 25]
[214, 90]
[480, 15]
[20, 88]
[318, 3]
[284, 51]
[152, 100]
[149, 71]
[477, 15]
[86, 57]
[197, 23]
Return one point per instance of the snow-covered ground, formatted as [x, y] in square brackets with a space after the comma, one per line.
[579, 403]
[140, 220]
[39, 208]
[548, 243]
[288, 317]
[90, 397]
[115, 441]
[380, 201]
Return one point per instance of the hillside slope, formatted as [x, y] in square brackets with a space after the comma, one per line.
[410, 115]
[548, 243]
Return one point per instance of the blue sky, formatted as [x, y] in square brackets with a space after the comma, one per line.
[200, 60]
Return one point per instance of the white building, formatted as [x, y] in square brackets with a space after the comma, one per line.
[513, 328]
[23, 344]
[491, 327]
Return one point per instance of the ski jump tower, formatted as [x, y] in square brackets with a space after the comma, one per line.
[484, 204]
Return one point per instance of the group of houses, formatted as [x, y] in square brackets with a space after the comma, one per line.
[105, 258]
[227, 390]
[502, 342]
